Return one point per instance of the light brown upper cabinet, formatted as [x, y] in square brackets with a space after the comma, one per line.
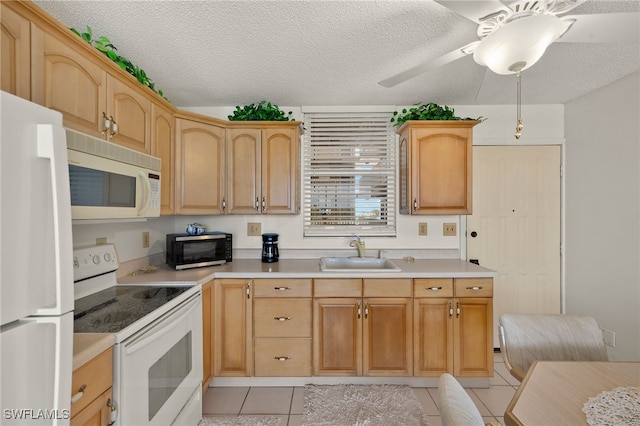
[436, 167]
[68, 77]
[262, 164]
[163, 146]
[199, 167]
[15, 48]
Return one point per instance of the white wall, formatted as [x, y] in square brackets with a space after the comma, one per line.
[602, 243]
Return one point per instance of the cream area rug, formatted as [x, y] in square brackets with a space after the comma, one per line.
[361, 405]
[241, 421]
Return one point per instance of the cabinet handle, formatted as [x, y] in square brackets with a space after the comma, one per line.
[224, 204]
[248, 290]
[359, 312]
[366, 311]
[257, 204]
[457, 309]
[264, 204]
[282, 318]
[113, 416]
[114, 128]
[450, 310]
[476, 288]
[76, 396]
[106, 123]
[282, 288]
[433, 288]
[282, 358]
[415, 204]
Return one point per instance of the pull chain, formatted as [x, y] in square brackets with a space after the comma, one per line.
[519, 124]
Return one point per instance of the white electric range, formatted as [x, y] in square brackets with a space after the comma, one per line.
[158, 333]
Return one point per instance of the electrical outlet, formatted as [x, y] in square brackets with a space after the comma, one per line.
[422, 228]
[100, 241]
[254, 229]
[609, 337]
[145, 239]
[449, 229]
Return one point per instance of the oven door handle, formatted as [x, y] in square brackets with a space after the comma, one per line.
[164, 325]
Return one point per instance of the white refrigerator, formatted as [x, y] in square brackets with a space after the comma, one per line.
[36, 266]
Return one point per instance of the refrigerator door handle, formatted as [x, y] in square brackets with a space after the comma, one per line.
[51, 147]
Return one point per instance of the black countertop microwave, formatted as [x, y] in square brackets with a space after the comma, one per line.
[186, 251]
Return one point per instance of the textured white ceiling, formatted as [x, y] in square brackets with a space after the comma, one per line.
[312, 52]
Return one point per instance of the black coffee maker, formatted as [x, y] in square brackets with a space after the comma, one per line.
[270, 252]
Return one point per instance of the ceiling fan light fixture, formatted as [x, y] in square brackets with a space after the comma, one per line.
[518, 44]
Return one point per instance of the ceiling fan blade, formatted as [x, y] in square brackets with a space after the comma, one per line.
[474, 10]
[603, 28]
[434, 63]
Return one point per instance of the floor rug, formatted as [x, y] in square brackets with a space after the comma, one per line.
[361, 405]
[241, 421]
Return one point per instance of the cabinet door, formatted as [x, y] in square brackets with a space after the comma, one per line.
[15, 48]
[388, 337]
[433, 336]
[207, 334]
[279, 170]
[243, 162]
[473, 337]
[162, 146]
[65, 79]
[233, 355]
[404, 193]
[131, 111]
[200, 168]
[337, 338]
[97, 413]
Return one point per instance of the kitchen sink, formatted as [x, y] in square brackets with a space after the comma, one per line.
[357, 264]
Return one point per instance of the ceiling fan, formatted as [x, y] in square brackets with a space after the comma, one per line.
[512, 36]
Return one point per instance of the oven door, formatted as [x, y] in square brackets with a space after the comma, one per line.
[160, 367]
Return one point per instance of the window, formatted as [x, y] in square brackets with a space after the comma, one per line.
[349, 174]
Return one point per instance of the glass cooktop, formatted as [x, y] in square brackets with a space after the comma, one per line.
[113, 309]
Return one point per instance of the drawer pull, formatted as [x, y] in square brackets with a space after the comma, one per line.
[433, 288]
[282, 358]
[282, 288]
[476, 288]
[76, 397]
[282, 318]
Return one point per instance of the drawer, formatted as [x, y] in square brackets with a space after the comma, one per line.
[282, 317]
[96, 376]
[473, 287]
[282, 357]
[382, 287]
[281, 287]
[339, 287]
[432, 287]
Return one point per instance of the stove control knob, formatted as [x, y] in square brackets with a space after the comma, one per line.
[96, 259]
[107, 257]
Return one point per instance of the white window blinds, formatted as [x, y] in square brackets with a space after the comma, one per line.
[349, 174]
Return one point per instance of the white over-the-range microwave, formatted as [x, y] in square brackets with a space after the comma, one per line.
[109, 181]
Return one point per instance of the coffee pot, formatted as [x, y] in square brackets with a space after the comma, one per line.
[270, 251]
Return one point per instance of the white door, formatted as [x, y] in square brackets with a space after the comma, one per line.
[515, 226]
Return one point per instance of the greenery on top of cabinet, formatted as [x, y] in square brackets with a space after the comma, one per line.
[263, 111]
[427, 111]
[105, 46]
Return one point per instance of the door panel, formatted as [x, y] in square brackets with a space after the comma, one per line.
[516, 222]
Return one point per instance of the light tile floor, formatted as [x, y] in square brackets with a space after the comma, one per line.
[287, 402]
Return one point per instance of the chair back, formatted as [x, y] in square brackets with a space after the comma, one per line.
[525, 338]
[455, 405]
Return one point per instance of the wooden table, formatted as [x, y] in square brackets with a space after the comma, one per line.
[553, 392]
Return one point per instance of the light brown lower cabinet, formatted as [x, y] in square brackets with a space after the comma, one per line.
[92, 382]
[207, 334]
[355, 335]
[453, 327]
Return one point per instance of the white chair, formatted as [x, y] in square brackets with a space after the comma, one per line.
[455, 405]
[525, 338]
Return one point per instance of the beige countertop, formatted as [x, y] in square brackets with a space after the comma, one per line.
[86, 346]
[308, 268]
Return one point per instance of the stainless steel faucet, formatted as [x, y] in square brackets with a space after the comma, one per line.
[358, 243]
